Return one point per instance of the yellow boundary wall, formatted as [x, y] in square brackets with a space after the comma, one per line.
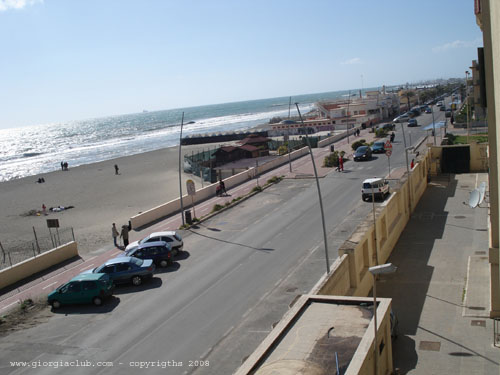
[36, 264]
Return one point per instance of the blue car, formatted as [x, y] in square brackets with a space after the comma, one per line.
[160, 252]
[126, 270]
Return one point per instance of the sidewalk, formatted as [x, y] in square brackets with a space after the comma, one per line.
[441, 289]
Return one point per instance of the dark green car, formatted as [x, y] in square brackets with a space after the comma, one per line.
[84, 288]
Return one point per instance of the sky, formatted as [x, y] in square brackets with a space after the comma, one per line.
[66, 60]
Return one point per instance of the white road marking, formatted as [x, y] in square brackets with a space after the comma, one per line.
[45, 287]
[13, 303]
[87, 267]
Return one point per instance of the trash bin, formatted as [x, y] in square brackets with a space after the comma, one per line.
[332, 148]
[187, 215]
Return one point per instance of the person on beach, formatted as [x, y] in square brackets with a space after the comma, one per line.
[115, 234]
[65, 165]
[62, 166]
[124, 235]
[116, 169]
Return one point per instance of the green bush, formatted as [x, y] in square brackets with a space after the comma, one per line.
[274, 180]
[381, 133]
[217, 207]
[282, 150]
[256, 189]
[361, 142]
[332, 160]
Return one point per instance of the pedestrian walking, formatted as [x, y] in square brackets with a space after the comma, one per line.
[115, 234]
[412, 164]
[124, 235]
[44, 209]
[222, 187]
[116, 169]
[62, 166]
[341, 163]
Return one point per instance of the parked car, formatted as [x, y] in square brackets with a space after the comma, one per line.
[378, 147]
[84, 288]
[126, 269]
[447, 113]
[428, 110]
[412, 122]
[363, 153]
[171, 237]
[389, 126]
[442, 108]
[401, 118]
[159, 252]
[380, 188]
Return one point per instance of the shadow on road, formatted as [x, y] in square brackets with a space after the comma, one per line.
[154, 283]
[170, 268]
[107, 306]
[229, 242]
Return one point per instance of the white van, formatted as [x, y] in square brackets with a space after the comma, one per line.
[380, 187]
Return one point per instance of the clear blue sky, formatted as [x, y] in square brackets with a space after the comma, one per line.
[65, 60]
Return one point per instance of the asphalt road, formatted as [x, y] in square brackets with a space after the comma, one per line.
[240, 272]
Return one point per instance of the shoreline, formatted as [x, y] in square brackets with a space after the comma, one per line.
[99, 196]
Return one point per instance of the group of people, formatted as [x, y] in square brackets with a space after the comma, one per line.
[220, 189]
[122, 234]
[357, 132]
[64, 166]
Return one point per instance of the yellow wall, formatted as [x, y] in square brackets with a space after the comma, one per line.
[39, 263]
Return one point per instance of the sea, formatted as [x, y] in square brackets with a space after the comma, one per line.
[38, 149]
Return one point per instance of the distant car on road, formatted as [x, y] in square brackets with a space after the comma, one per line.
[378, 187]
[84, 288]
[428, 110]
[389, 126]
[363, 153]
[447, 113]
[159, 252]
[126, 269]
[171, 237]
[401, 118]
[412, 122]
[378, 147]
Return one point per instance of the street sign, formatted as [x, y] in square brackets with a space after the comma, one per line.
[190, 187]
[53, 223]
[388, 153]
[388, 145]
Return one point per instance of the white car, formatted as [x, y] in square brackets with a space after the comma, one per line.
[379, 187]
[402, 118]
[173, 238]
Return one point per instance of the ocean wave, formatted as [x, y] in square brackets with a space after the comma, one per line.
[31, 154]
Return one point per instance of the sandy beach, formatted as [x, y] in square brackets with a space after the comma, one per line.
[98, 195]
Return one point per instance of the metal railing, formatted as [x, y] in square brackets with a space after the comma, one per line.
[14, 252]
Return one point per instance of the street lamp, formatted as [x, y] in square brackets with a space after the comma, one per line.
[433, 125]
[288, 123]
[467, 101]
[180, 181]
[383, 269]
[319, 192]
[409, 178]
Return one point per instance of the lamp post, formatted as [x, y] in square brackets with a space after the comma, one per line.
[467, 101]
[409, 177]
[180, 180]
[433, 125]
[288, 123]
[319, 192]
[378, 270]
